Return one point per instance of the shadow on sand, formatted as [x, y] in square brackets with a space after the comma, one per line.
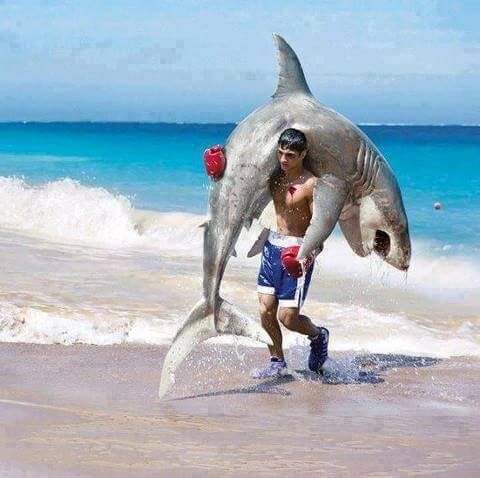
[350, 369]
[270, 386]
[368, 368]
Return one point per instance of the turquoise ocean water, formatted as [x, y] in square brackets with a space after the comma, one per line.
[159, 167]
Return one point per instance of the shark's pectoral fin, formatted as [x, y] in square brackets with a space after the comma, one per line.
[350, 225]
[329, 198]
[258, 244]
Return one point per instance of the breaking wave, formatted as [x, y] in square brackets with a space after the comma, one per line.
[68, 212]
[356, 328]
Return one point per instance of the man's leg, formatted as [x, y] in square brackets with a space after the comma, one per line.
[319, 336]
[292, 320]
[268, 315]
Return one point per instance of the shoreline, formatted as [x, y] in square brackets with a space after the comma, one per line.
[86, 410]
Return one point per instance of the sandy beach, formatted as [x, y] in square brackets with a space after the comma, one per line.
[93, 411]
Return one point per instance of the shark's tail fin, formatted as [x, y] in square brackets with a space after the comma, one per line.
[200, 326]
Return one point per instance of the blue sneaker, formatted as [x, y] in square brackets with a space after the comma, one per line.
[276, 368]
[319, 350]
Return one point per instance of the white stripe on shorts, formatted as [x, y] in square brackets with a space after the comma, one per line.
[296, 302]
[280, 240]
[263, 289]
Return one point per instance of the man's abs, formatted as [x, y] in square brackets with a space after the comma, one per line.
[289, 226]
[293, 216]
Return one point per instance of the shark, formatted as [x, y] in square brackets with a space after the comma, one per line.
[355, 188]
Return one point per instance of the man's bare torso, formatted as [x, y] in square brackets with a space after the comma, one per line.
[293, 202]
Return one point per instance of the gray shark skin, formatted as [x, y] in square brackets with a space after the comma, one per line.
[355, 187]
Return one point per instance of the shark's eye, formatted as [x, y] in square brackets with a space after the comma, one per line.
[381, 243]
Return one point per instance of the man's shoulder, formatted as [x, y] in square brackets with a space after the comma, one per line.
[310, 180]
[309, 185]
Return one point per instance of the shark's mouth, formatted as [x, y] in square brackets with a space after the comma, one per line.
[381, 243]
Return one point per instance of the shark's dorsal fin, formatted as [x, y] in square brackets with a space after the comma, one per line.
[290, 78]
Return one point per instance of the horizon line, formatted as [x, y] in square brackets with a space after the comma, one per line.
[223, 123]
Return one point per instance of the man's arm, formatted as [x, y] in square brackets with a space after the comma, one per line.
[312, 182]
[328, 200]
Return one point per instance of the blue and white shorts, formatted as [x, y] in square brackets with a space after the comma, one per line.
[273, 279]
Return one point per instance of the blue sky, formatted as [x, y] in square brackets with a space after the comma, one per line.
[374, 61]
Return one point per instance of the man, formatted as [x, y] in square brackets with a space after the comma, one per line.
[283, 281]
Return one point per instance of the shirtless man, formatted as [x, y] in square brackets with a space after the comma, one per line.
[283, 281]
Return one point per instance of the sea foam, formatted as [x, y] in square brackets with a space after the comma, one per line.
[67, 327]
[355, 329]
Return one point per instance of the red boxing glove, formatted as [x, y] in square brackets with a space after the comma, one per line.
[290, 262]
[214, 161]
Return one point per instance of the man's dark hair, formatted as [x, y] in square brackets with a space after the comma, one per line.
[293, 139]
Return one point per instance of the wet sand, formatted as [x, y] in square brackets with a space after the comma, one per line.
[87, 411]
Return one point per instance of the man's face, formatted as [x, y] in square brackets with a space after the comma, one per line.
[290, 159]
